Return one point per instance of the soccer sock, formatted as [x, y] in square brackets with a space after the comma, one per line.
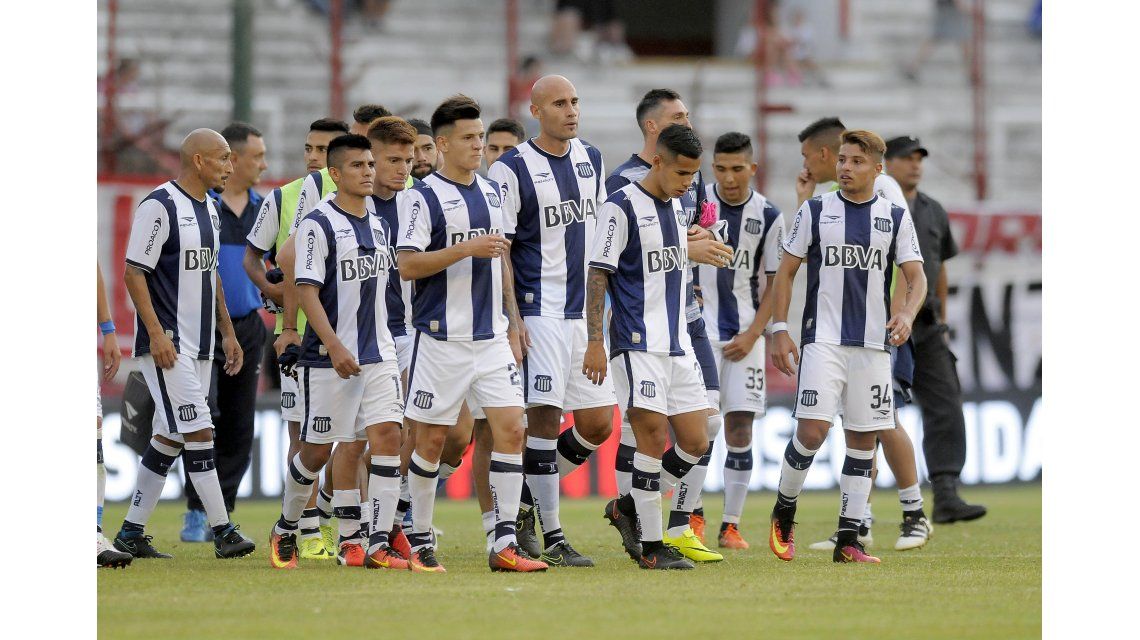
[445, 470]
[155, 464]
[797, 461]
[623, 466]
[573, 451]
[911, 500]
[737, 475]
[646, 492]
[346, 510]
[854, 487]
[687, 494]
[324, 505]
[364, 525]
[422, 480]
[298, 487]
[541, 468]
[403, 503]
[489, 528]
[198, 458]
[101, 475]
[383, 493]
[506, 480]
[310, 524]
[675, 464]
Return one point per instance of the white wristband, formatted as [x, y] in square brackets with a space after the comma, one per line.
[777, 327]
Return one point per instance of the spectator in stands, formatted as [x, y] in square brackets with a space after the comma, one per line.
[778, 48]
[572, 17]
[951, 24]
[520, 85]
[801, 37]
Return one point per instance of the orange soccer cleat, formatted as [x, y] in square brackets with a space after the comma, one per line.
[781, 538]
[351, 554]
[513, 559]
[697, 524]
[730, 538]
[282, 550]
[385, 558]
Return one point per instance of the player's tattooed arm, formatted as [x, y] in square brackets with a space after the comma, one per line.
[595, 303]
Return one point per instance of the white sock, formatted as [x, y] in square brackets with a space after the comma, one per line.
[346, 510]
[423, 477]
[573, 451]
[542, 479]
[383, 493]
[298, 487]
[198, 458]
[403, 503]
[854, 487]
[793, 471]
[506, 486]
[309, 524]
[646, 493]
[910, 498]
[686, 496]
[153, 467]
[676, 464]
[324, 504]
[623, 467]
[101, 482]
[737, 475]
[445, 470]
[489, 529]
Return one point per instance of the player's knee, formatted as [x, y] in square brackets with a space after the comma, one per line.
[384, 439]
[597, 426]
[315, 456]
[810, 434]
[713, 425]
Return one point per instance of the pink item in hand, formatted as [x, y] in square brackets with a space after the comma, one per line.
[708, 214]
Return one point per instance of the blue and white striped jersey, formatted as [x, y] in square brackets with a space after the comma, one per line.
[633, 170]
[347, 258]
[398, 294]
[465, 301]
[732, 294]
[551, 203]
[850, 250]
[641, 241]
[174, 240]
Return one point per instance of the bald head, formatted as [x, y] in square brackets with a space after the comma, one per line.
[554, 103]
[205, 155]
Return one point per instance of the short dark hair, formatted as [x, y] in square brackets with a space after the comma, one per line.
[366, 113]
[340, 144]
[392, 130]
[680, 140]
[825, 131]
[510, 125]
[457, 107]
[733, 142]
[329, 124]
[422, 128]
[237, 133]
[650, 101]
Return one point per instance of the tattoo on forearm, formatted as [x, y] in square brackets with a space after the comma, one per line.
[595, 303]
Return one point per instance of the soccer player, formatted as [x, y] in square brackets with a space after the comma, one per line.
[452, 245]
[551, 187]
[737, 306]
[427, 158]
[267, 236]
[503, 135]
[639, 253]
[350, 380]
[365, 115]
[850, 239]
[106, 555]
[658, 109]
[172, 279]
[819, 146]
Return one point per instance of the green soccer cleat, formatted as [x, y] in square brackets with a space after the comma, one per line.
[692, 548]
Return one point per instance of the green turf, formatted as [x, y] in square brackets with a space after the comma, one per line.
[973, 580]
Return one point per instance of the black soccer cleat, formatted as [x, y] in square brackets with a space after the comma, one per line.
[139, 547]
[561, 554]
[110, 558]
[525, 534]
[232, 544]
[627, 527]
[665, 557]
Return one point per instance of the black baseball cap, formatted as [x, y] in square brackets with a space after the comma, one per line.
[904, 146]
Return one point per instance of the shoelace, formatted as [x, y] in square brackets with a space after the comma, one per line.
[908, 526]
[427, 557]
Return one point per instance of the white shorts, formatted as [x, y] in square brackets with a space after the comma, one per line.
[179, 395]
[669, 385]
[404, 351]
[98, 399]
[853, 380]
[444, 374]
[338, 410]
[552, 368]
[742, 384]
[290, 399]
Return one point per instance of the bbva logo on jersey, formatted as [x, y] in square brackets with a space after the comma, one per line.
[666, 259]
[853, 257]
[460, 236]
[363, 267]
[201, 259]
[568, 212]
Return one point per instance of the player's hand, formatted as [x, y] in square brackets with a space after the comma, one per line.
[805, 185]
[343, 361]
[275, 292]
[112, 357]
[288, 360]
[709, 251]
[287, 337]
[234, 355]
[162, 350]
[515, 337]
[697, 232]
[524, 338]
[899, 328]
[487, 246]
[740, 346]
[594, 363]
[785, 355]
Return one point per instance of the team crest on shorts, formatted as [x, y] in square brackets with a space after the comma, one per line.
[648, 389]
[543, 384]
[883, 224]
[753, 226]
[187, 412]
[809, 397]
[585, 170]
[423, 399]
[322, 424]
[288, 400]
[493, 199]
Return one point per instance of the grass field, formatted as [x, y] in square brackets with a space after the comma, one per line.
[973, 580]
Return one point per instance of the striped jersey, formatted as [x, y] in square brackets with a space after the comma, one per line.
[633, 170]
[641, 241]
[551, 202]
[174, 240]
[754, 230]
[850, 249]
[347, 258]
[398, 294]
[464, 301]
